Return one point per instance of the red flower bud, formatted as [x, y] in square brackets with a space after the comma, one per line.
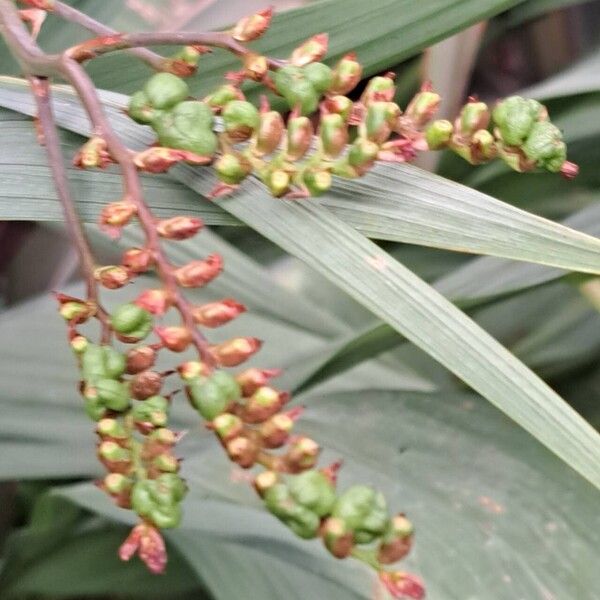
[569, 170]
[159, 160]
[264, 481]
[235, 351]
[337, 538]
[255, 66]
[140, 359]
[242, 451]
[269, 133]
[299, 137]
[264, 403]
[193, 369]
[176, 339]
[155, 301]
[251, 379]
[302, 455]
[346, 75]
[215, 314]
[402, 585]
[137, 260]
[199, 272]
[94, 153]
[276, 431]
[252, 27]
[116, 215]
[179, 228]
[112, 277]
[145, 384]
[311, 50]
[149, 544]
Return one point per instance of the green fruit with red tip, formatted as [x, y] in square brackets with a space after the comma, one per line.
[208, 398]
[232, 168]
[301, 520]
[545, 146]
[514, 118]
[153, 410]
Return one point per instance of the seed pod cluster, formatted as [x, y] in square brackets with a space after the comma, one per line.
[521, 135]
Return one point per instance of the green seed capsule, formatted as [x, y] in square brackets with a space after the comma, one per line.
[313, 490]
[240, 119]
[223, 95]
[317, 181]
[132, 321]
[93, 363]
[114, 362]
[545, 146]
[188, 126]
[438, 134]
[174, 483]
[208, 398]
[113, 394]
[165, 90]
[301, 520]
[362, 153]
[232, 168]
[320, 75]
[333, 133]
[140, 109]
[94, 408]
[227, 384]
[474, 116]
[515, 117]
[364, 511]
[298, 91]
[153, 410]
[166, 517]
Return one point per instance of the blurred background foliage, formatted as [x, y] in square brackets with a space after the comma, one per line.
[498, 516]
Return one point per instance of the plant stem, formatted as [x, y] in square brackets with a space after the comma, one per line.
[37, 64]
[128, 41]
[40, 88]
[68, 13]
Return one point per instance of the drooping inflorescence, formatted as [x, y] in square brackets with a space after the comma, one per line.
[326, 134]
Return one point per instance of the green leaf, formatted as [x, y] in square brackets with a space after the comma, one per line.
[479, 281]
[394, 294]
[63, 557]
[415, 206]
[382, 38]
[458, 468]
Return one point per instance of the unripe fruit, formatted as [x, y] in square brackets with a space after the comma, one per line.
[473, 116]
[545, 146]
[317, 181]
[364, 511]
[223, 95]
[232, 168]
[113, 394]
[208, 398]
[131, 321]
[140, 109]
[313, 490]
[140, 359]
[299, 137]
[188, 126]
[298, 91]
[333, 133]
[338, 539]
[145, 384]
[240, 119]
[154, 410]
[165, 90]
[346, 75]
[320, 75]
[269, 133]
[514, 117]
[438, 134]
